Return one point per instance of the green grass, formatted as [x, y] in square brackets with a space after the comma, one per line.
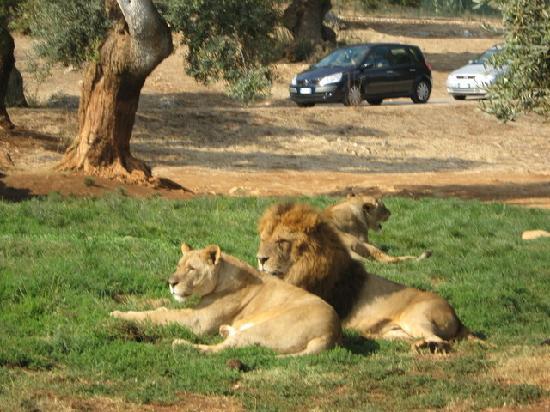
[64, 263]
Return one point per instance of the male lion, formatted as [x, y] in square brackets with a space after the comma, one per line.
[299, 245]
[245, 306]
[353, 217]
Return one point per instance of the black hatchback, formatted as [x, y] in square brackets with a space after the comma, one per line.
[370, 72]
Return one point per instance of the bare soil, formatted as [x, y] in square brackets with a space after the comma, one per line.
[196, 136]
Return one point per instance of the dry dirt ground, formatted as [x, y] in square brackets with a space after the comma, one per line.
[199, 138]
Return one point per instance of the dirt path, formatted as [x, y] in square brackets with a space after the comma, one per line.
[199, 138]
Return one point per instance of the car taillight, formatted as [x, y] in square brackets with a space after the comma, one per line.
[429, 66]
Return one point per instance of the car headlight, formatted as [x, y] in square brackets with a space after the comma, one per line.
[333, 78]
[293, 81]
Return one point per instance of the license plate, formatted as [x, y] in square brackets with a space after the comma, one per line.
[463, 85]
[306, 90]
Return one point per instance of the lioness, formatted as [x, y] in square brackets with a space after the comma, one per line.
[246, 307]
[353, 217]
[299, 245]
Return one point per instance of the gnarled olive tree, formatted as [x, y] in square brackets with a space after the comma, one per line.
[304, 18]
[136, 43]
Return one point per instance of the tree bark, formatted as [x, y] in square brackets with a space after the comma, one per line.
[7, 63]
[15, 95]
[138, 42]
[304, 18]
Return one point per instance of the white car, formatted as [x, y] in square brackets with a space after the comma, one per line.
[474, 78]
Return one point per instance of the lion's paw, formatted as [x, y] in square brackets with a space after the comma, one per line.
[435, 347]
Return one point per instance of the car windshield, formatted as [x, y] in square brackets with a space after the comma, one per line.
[484, 58]
[345, 57]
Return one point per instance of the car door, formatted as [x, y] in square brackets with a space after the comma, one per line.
[403, 69]
[377, 79]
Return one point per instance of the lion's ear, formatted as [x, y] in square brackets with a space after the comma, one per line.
[213, 254]
[185, 248]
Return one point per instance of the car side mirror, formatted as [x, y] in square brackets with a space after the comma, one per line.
[366, 66]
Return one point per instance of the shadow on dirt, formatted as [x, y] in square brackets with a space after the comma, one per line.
[485, 192]
[171, 156]
[10, 194]
[449, 61]
[219, 127]
[426, 30]
[26, 138]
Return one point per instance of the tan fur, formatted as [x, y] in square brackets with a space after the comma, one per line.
[300, 246]
[244, 306]
[534, 234]
[353, 217]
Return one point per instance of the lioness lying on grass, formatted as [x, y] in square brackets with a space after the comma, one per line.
[353, 217]
[244, 306]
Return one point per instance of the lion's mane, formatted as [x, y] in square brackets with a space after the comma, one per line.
[322, 264]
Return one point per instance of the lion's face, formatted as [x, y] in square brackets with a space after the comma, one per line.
[275, 253]
[197, 272]
[375, 212]
[284, 237]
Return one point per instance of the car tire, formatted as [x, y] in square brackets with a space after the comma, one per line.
[459, 97]
[422, 91]
[302, 104]
[353, 95]
[374, 102]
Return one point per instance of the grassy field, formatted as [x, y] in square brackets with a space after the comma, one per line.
[65, 263]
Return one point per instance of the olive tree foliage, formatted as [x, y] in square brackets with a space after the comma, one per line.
[525, 86]
[229, 40]
[68, 31]
[8, 8]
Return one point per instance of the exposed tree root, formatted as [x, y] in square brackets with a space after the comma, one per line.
[132, 171]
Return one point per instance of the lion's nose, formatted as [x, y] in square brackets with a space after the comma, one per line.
[262, 260]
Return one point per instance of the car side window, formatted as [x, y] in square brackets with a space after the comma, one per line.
[416, 55]
[400, 56]
[378, 58]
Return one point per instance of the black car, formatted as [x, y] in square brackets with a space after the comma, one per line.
[370, 72]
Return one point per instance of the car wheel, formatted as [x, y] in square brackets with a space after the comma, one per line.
[353, 95]
[422, 92]
[459, 97]
[374, 102]
[302, 104]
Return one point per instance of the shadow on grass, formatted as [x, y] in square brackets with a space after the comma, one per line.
[359, 345]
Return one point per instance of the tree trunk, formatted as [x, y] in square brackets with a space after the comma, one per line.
[7, 63]
[138, 42]
[304, 18]
[15, 95]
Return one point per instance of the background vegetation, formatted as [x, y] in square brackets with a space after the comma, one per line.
[525, 87]
[236, 41]
[65, 263]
